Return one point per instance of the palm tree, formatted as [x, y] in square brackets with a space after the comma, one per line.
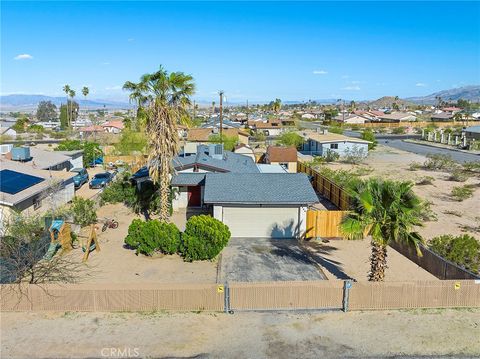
[387, 211]
[213, 108]
[67, 90]
[85, 92]
[165, 97]
[72, 94]
[276, 105]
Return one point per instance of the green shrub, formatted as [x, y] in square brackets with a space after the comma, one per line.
[461, 193]
[471, 166]
[204, 238]
[119, 191]
[458, 176]
[463, 250]
[331, 156]
[427, 180]
[438, 162]
[336, 129]
[291, 139]
[152, 236]
[399, 130]
[414, 166]
[368, 135]
[83, 211]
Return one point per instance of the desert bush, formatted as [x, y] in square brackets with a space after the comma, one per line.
[463, 250]
[414, 166]
[461, 193]
[399, 130]
[426, 212]
[83, 211]
[355, 155]
[437, 162]
[119, 191]
[471, 166]
[204, 238]
[427, 180]
[336, 129]
[368, 135]
[458, 175]
[153, 236]
[331, 156]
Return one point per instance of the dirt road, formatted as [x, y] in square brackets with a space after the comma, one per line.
[242, 335]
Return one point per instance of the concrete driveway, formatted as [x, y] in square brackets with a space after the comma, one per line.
[262, 260]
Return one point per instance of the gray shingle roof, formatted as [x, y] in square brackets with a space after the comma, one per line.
[259, 188]
[188, 179]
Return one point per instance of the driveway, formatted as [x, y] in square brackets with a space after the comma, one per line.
[263, 260]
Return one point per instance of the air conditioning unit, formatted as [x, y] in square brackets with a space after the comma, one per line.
[21, 153]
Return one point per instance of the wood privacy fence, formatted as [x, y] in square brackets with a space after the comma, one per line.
[313, 295]
[327, 188]
[324, 223]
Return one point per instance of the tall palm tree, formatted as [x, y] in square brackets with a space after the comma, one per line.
[213, 108]
[67, 90]
[387, 211]
[72, 94]
[276, 105]
[85, 92]
[164, 96]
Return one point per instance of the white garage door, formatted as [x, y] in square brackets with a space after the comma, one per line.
[262, 222]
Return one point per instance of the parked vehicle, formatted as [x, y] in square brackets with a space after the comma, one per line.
[100, 180]
[80, 178]
[109, 223]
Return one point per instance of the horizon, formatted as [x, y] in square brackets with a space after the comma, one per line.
[292, 51]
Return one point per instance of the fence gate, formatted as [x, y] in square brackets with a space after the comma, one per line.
[325, 224]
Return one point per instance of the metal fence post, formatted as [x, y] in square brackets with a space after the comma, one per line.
[226, 298]
[346, 294]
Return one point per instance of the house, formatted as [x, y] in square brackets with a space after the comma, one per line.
[442, 116]
[472, 133]
[308, 116]
[283, 156]
[271, 205]
[398, 117]
[320, 144]
[7, 131]
[75, 158]
[245, 150]
[27, 189]
[43, 160]
[113, 126]
[453, 110]
[226, 123]
[203, 134]
[270, 128]
[350, 119]
[90, 130]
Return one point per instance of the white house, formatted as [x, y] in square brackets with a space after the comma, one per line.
[320, 144]
[113, 126]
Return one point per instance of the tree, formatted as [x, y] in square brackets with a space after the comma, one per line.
[229, 142]
[131, 141]
[368, 135]
[276, 105]
[291, 139]
[85, 92]
[72, 95]
[67, 90]
[46, 111]
[68, 112]
[387, 211]
[21, 124]
[165, 97]
[463, 250]
[91, 150]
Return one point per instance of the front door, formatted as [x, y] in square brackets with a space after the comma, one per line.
[194, 196]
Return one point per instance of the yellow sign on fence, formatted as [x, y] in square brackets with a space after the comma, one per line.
[220, 288]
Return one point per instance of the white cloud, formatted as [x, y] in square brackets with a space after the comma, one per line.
[23, 57]
[352, 88]
[113, 88]
[320, 72]
[420, 84]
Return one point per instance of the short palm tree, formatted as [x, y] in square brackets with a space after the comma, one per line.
[164, 97]
[387, 211]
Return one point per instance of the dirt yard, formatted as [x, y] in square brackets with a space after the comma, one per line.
[242, 335]
[116, 264]
[453, 217]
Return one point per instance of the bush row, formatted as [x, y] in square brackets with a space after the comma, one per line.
[203, 239]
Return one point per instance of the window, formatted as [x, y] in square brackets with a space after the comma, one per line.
[334, 146]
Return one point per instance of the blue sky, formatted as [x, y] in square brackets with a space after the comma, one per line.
[256, 51]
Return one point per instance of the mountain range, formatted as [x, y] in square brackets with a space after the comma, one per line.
[470, 93]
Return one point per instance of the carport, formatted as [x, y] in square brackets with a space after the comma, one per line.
[260, 205]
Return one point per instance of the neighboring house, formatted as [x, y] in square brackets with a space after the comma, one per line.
[350, 119]
[270, 205]
[76, 158]
[271, 128]
[472, 133]
[245, 150]
[113, 126]
[226, 123]
[398, 117]
[8, 131]
[308, 116]
[49, 124]
[283, 156]
[203, 134]
[269, 168]
[90, 130]
[442, 116]
[52, 160]
[319, 144]
[26, 189]
[453, 110]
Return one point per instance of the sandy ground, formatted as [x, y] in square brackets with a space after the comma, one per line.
[242, 335]
[116, 264]
[453, 217]
[342, 259]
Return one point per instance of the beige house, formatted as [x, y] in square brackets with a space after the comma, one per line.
[283, 156]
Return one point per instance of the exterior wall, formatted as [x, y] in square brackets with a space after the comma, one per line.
[291, 166]
[355, 120]
[312, 147]
[246, 152]
[181, 198]
[218, 212]
[77, 162]
[272, 131]
[243, 139]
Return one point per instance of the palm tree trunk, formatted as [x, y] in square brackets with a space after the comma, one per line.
[378, 262]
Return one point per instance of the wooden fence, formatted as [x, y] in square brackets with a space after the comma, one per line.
[327, 188]
[324, 224]
[314, 295]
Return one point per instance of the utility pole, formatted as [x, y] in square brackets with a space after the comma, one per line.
[247, 112]
[221, 114]
[194, 114]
